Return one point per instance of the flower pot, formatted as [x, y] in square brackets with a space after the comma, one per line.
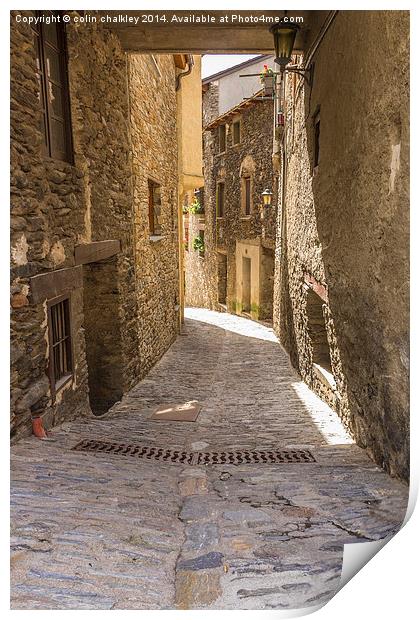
[268, 84]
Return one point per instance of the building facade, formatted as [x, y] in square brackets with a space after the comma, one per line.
[230, 237]
[341, 285]
[96, 182]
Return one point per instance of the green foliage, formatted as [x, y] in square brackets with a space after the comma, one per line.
[196, 207]
[198, 244]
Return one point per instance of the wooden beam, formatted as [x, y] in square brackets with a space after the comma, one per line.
[96, 251]
[54, 283]
[247, 33]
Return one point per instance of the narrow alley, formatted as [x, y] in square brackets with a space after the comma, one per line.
[108, 531]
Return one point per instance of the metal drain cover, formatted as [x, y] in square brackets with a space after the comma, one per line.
[171, 455]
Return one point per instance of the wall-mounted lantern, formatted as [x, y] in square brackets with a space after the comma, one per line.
[267, 197]
[284, 40]
[284, 34]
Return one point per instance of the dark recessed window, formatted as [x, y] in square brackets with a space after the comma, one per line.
[247, 189]
[222, 138]
[155, 219]
[236, 132]
[51, 61]
[316, 140]
[220, 200]
[59, 327]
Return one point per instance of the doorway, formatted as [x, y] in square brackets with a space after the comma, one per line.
[221, 278]
[102, 334]
[246, 284]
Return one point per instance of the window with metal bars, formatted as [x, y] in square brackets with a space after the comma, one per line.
[61, 358]
[51, 62]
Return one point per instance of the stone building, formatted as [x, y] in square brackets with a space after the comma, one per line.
[341, 284]
[233, 268]
[99, 169]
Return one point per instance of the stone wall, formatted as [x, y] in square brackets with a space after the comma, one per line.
[58, 206]
[253, 155]
[345, 226]
[154, 144]
[199, 276]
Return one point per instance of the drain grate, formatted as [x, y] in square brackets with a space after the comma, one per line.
[270, 457]
[141, 452]
[171, 455]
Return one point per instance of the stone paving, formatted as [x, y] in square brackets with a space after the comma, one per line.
[96, 531]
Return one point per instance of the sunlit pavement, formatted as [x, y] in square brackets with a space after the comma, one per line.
[104, 531]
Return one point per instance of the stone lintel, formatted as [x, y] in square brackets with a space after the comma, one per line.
[318, 288]
[96, 251]
[54, 283]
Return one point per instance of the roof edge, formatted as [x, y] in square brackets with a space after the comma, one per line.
[258, 96]
[242, 65]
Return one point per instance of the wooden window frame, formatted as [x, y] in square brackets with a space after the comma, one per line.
[239, 124]
[220, 213]
[151, 185]
[222, 127]
[47, 109]
[246, 179]
[58, 383]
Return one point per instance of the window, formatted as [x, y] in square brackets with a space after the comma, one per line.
[202, 246]
[222, 138]
[236, 132]
[220, 200]
[61, 359]
[186, 238]
[247, 196]
[51, 61]
[221, 278]
[318, 331]
[155, 219]
[316, 140]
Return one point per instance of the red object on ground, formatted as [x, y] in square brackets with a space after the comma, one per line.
[38, 428]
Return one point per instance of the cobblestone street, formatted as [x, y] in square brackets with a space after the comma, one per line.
[102, 531]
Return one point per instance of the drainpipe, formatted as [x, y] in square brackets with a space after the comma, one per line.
[181, 304]
[190, 63]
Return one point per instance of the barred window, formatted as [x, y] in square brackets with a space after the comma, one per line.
[61, 359]
[51, 61]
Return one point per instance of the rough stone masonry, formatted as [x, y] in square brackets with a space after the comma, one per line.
[125, 314]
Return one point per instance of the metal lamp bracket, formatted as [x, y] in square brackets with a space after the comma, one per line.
[307, 73]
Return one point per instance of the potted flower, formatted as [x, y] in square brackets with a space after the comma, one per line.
[268, 80]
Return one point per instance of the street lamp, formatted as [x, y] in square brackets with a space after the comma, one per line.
[267, 197]
[284, 39]
[284, 34]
